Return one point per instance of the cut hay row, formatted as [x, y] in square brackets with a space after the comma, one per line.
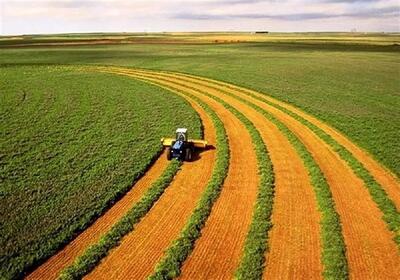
[382, 185]
[263, 225]
[169, 266]
[361, 217]
[354, 215]
[333, 254]
[226, 228]
[141, 249]
[366, 164]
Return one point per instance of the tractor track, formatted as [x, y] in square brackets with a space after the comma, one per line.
[140, 250]
[51, 268]
[371, 251]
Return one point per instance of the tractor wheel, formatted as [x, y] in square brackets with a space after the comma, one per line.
[188, 154]
[169, 154]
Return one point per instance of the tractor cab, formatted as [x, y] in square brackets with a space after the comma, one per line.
[181, 134]
[182, 148]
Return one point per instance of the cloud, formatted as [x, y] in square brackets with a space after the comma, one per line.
[349, 1]
[44, 16]
[392, 11]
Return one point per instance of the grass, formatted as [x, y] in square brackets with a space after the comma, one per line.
[352, 87]
[94, 253]
[169, 266]
[66, 138]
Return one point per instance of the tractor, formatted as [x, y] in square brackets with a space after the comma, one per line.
[181, 147]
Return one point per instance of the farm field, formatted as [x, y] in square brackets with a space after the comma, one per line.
[199, 38]
[302, 180]
[337, 82]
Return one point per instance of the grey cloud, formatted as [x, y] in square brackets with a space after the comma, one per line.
[244, 1]
[348, 1]
[363, 13]
[76, 4]
[55, 4]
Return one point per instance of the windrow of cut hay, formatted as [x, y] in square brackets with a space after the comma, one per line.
[333, 180]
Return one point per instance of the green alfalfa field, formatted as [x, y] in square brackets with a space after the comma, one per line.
[67, 134]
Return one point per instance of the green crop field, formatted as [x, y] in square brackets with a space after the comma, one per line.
[73, 141]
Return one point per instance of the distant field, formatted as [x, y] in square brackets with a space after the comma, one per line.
[201, 38]
[71, 144]
[352, 86]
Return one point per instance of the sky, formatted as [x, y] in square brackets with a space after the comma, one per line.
[67, 16]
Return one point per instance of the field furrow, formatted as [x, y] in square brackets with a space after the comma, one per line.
[295, 240]
[52, 267]
[139, 251]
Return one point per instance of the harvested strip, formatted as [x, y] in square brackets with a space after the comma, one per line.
[364, 232]
[295, 238]
[140, 250]
[217, 251]
[385, 204]
[333, 255]
[370, 250]
[366, 237]
[388, 181]
[334, 260]
[380, 197]
[52, 267]
[391, 214]
[177, 253]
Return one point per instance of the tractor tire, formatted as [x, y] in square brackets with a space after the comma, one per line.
[188, 154]
[169, 154]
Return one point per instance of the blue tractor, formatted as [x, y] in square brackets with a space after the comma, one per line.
[182, 148]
